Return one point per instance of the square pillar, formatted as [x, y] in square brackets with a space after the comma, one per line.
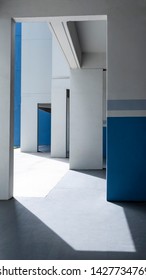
[36, 74]
[86, 119]
[59, 118]
[6, 107]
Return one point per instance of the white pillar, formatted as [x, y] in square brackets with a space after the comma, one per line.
[35, 79]
[58, 119]
[86, 119]
[6, 108]
[60, 84]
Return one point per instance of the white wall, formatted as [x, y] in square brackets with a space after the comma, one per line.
[36, 79]
[86, 119]
[60, 68]
[126, 49]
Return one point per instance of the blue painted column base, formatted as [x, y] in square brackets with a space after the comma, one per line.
[126, 159]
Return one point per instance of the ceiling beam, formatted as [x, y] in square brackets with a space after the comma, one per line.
[67, 38]
[74, 41]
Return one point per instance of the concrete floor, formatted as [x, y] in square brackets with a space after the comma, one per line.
[74, 221]
[35, 174]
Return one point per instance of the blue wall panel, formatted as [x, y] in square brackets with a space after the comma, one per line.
[44, 128]
[17, 85]
[126, 159]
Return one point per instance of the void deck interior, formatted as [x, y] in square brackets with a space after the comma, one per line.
[90, 213]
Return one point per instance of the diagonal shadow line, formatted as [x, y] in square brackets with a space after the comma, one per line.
[23, 236]
[135, 213]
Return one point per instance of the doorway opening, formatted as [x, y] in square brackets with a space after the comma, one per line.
[60, 79]
[44, 127]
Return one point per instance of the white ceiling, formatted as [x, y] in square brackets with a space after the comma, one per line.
[92, 35]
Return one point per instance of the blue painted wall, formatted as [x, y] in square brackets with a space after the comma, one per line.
[126, 159]
[44, 128]
[17, 85]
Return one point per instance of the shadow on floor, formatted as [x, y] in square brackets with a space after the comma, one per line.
[47, 155]
[44, 148]
[24, 236]
[96, 173]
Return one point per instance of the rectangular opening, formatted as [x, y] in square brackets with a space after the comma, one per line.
[44, 127]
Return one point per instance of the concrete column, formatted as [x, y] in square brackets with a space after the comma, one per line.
[58, 120]
[60, 83]
[6, 108]
[35, 79]
[86, 119]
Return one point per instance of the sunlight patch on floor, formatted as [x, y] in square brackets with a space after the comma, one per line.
[77, 211]
[35, 174]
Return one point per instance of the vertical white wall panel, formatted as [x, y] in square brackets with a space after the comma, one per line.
[86, 118]
[6, 108]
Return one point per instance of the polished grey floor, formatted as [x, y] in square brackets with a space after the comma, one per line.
[74, 221]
